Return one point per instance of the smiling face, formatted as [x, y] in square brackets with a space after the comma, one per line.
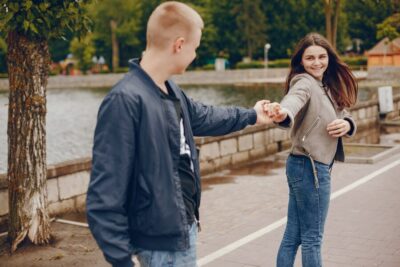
[315, 61]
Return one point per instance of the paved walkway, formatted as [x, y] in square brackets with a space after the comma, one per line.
[243, 216]
[243, 221]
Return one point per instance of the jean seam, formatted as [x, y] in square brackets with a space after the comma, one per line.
[319, 224]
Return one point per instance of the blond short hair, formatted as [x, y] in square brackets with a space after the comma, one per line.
[169, 21]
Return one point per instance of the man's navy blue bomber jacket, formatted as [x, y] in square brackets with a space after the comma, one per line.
[134, 197]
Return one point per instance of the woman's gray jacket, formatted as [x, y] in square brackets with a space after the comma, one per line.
[310, 109]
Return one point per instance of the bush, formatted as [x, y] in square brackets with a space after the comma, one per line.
[356, 62]
[206, 67]
[279, 63]
[250, 65]
[120, 70]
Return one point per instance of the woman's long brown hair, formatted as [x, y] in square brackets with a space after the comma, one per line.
[337, 77]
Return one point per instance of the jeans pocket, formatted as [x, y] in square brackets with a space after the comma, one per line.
[295, 169]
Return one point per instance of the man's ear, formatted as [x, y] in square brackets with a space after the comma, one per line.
[178, 44]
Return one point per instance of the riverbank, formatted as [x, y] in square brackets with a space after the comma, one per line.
[237, 77]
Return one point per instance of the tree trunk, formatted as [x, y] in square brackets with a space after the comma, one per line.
[328, 20]
[335, 23]
[28, 68]
[332, 12]
[115, 46]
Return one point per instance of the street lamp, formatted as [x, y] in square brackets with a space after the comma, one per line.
[266, 48]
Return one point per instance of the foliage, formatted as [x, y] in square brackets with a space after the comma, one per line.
[363, 17]
[127, 15]
[207, 50]
[289, 21]
[279, 63]
[208, 66]
[59, 47]
[390, 27]
[83, 50]
[44, 19]
[224, 20]
[3, 50]
[250, 65]
[356, 61]
[251, 22]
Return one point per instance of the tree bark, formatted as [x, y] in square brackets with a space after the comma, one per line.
[28, 67]
[335, 23]
[332, 12]
[328, 20]
[115, 46]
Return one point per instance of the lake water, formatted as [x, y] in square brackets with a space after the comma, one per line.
[71, 116]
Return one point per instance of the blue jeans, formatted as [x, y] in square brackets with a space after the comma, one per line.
[307, 211]
[187, 258]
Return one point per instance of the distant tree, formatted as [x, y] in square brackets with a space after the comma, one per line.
[117, 26]
[3, 50]
[227, 34]
[390, 27]
[29, 25]
[288, 21]
[363, 17]
[83, 50]
[251, 23]
[59, 47]
[332, 13]
[207, 50]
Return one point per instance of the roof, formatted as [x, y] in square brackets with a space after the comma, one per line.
[385, 45]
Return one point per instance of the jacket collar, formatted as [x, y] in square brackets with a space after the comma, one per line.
[135, 67]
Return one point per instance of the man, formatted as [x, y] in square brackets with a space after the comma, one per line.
[144, 193]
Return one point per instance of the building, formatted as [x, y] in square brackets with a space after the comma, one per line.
[385, 53]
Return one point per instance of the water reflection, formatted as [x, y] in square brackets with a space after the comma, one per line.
[71, 116]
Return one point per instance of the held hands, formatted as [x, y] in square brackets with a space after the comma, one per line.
[275, 112]
[338, 128]
[262, 116]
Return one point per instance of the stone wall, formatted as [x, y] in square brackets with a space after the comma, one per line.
[384, 73]
[246, 76]
[189, 77]
[68, 181]
[67, 184]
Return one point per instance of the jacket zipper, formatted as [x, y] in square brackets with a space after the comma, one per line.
[311, 128]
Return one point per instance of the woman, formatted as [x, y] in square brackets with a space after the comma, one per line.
[318, 89]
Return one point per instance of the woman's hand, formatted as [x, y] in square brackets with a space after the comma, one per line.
[338, 128]
[275, 112]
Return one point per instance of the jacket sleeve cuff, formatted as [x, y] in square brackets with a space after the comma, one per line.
[288, 122]
[353, 128]
[252, 116]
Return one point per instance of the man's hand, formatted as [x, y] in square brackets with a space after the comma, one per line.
[338, 128]
[275, 112]
[262, 116]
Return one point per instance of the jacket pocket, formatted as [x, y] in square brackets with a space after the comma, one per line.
[143, 196]
[310, 129]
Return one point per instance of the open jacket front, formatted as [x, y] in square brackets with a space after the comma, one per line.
[134, 197]
[310, 109]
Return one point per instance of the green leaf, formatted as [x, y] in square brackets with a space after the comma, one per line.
[26, 25]
[33, 28]
[8, 17]
[28, 4]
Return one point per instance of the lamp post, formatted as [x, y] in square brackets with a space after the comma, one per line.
[266, 48]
